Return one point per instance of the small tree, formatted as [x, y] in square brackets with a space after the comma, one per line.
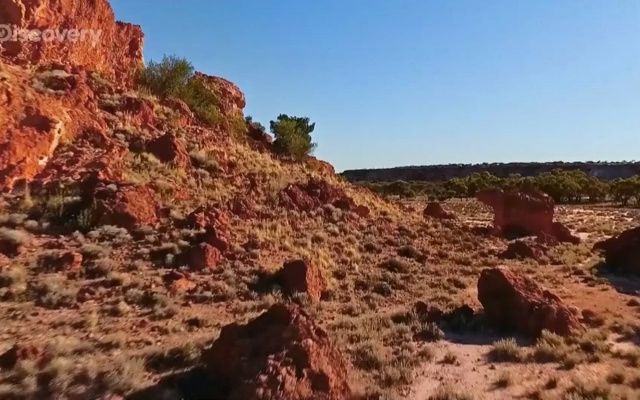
[174, 77]
[293, 136]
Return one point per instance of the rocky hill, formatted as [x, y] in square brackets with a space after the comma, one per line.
[437, 173]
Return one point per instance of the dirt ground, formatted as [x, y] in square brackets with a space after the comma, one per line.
[133, 331]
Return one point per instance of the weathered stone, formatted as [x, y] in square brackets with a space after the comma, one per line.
[516, 303]
[282, 354]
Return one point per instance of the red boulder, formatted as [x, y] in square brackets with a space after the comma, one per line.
[282, 354]
[127, 206]
[525, 213]
[204, 256]
[168, 149]
[300, 276]
[622, 252]
[515, 302]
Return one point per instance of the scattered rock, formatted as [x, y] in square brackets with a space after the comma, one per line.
[243, 208]
[301, 276]
[207, 216]
[317, 193]
[562, 234]
[525, 213]
[435, 210]
[520, 249]
[515, 302]
[126, 206]
[168, 149]
[282, 354]
[622, 252]
[203, 257]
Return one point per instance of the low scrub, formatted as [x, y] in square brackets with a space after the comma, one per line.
[174, 77]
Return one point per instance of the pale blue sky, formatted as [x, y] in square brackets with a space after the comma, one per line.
[410, 82]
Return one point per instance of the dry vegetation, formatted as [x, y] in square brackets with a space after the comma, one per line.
[114, 325]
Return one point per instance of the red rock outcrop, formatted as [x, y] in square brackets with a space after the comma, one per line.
[168, 149]
[317, 193]
[127, 206]
[231, 100]
[203, 257]
[101, 44]
[518, 214]
[33, 124]
[622, 252]
[206, 216]
[262, 141]
[320, 166]
[299, 276]
[282, 354]
[435, 210]
[516, 303]
[214, 222]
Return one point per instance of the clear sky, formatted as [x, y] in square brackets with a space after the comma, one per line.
[412, 82]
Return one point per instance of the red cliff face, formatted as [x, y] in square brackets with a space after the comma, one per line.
[99, 42]
[48, 88]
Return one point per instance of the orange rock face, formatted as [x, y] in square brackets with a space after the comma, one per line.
[101, 44]
[282, 354]
[518, 214]
[516, 303]
[33, 123]
[45, 88]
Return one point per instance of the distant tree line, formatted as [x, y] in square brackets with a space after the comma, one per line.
[563, 186]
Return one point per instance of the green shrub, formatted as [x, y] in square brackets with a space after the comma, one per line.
[293, 136]
[174, 77]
